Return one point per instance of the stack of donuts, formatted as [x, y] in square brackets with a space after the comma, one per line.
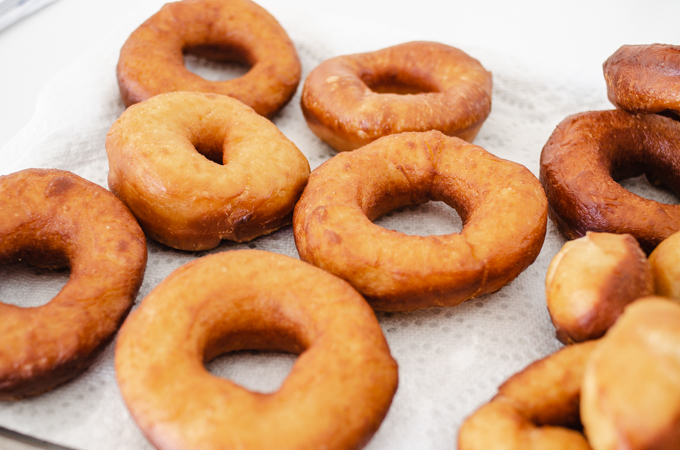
[194, 162]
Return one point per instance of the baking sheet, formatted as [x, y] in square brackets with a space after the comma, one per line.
[451, 360]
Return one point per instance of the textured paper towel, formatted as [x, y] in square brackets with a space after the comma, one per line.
[451, 360]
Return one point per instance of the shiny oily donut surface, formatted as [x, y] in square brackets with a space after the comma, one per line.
[644, 78]
[501, 203]
[335, 396]
[152, 59]
[52, 219]
[535, 409]
[585, 156]
[161, 164]
[351, 100]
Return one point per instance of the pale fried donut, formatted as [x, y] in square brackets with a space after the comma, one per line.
[631, 384]
[501, 203]
[53, 218]
[351, 100]
[665, 264]
[161, 155]
[152, 59]
[584, 156]
[644, 78]
[335, 396]
[535, 409]
[591, 280]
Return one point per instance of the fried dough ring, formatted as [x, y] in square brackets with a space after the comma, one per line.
[584, 156]
[182, 198]
[335, 396]
[502, 205]
[534, 408]
[349, 101]
[53, 218]
[644, 78]
[152, 60]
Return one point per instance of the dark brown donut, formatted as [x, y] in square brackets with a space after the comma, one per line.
[584, 156]
[152, 59]
[644, 78]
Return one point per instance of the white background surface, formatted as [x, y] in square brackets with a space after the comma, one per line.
[546, 60]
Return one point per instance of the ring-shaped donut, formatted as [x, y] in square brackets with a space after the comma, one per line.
[152, 59]
[584, 156]
[351, 100]
[644, 78]
[535, 409]
[335, 396]
[53, 218]
[164, 163]
[501, 203]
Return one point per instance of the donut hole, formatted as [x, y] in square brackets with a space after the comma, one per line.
[655, 191]
[210, 144]
[257, 371]
[215, 62]
[426, 219]
[398, 83]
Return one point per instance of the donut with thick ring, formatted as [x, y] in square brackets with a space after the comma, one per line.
[644, 78]
[152, 59]
[584, 156]
[335, 396]
[53, 218]
[502, 205]
[351, 100]
[197, 168]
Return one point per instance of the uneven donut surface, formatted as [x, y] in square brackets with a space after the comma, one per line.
[152, 59]
[585, 156]
[53, 218]
[665, 265]
[537, 408]
[351, 100]
[502, 205]
[335, 396]
[644, 78]
[161, 164]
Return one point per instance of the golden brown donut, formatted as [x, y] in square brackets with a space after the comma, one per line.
[198, 168]
[591, 280]
[665, 264]
[53, 218]
[644, 78]
[349, 101]
[535, 409]
[152, 60]
[631, 384]
[584, 156]
[501, 203]
[335, 396]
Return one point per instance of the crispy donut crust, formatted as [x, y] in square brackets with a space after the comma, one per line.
[502, 205]
[335, 396]
[631, 395]
[591, 280]
[349, 101]
[644, 78]
[584, 156]
[184, 199]
[53, 218]
[535, 408]
[152, 59]
[665, 265]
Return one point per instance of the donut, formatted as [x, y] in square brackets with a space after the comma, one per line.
[335, 396]
[630, 393]
[536, 409]
[151, 61]
[591, 280]
[665, 265]
[197, 168]
[644, 78]
[588, 152]
[351, 100]
[502, 205]
[53, 219]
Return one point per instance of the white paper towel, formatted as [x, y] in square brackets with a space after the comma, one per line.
[451, 360]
